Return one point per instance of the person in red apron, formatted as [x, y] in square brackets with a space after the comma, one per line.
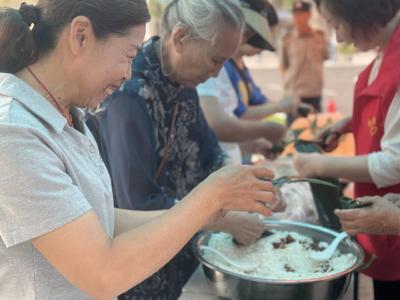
[372, 24]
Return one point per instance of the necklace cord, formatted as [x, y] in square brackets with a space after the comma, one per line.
[52, 98]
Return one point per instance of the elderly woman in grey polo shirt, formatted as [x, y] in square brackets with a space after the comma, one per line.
[60, 236]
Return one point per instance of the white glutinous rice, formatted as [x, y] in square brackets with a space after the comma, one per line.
[281, 256]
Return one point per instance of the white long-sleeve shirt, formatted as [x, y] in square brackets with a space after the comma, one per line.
[384, 166]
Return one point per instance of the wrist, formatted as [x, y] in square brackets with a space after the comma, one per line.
[209, 201]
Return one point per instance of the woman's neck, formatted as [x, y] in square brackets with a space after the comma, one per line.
[51, 78]
[164, 55]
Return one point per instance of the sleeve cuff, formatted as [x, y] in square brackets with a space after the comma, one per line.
[384, 169]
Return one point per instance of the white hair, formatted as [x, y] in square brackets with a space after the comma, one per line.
[202, 18]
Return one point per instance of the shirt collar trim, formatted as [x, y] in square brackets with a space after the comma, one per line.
[12, 86]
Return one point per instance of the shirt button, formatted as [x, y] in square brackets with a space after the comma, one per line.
[92, 149]
[102, 169]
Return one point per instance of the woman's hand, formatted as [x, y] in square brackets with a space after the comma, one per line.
[244, 227]
[383, 217]
[259, 146]
[274, 132]
[308, 165]
[240, 188]
[331, 135]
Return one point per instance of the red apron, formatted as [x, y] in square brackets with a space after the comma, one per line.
[371, 105]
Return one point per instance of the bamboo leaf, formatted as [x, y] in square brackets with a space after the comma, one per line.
[348, 203]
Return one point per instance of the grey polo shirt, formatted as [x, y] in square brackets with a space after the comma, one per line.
[50, 175]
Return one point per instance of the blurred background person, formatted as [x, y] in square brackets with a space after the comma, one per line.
[302, 56]
[253, 104]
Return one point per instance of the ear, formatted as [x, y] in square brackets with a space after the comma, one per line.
[178, 38]
[81, 34]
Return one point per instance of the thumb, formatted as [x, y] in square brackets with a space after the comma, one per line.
[341, 213]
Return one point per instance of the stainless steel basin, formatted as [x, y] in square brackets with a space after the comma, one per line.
[235, 286]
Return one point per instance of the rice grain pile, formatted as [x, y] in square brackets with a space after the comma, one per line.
[283, 255]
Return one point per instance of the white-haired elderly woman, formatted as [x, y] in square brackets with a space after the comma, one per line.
[153, 126]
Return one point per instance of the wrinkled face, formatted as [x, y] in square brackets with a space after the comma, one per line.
[106, 64]
[344, 32]
[198, 60]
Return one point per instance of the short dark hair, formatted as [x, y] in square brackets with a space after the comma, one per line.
[20, 45]
[361, 15]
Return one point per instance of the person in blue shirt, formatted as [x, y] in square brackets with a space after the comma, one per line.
[253, 104]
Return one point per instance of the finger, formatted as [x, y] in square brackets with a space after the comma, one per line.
[263, 185]
[279, 207]
[279, 204]
[346, 215]
[365, 200]
[261, 209]
[351, 227]
[260, 171]
[265, 197]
